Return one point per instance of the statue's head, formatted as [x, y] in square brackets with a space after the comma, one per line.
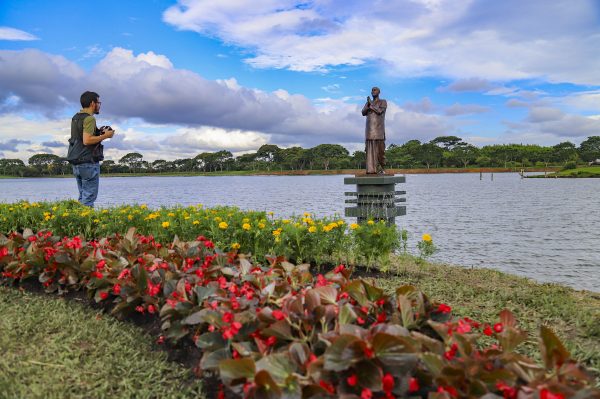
[375, 91]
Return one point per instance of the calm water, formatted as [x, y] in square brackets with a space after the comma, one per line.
[546, 229]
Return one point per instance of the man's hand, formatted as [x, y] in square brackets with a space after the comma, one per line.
[368, 100]
[108, 133]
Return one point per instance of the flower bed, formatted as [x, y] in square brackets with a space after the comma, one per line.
[274, 330]
[301, 239]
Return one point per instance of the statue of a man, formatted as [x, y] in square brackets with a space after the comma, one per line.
[374, 110]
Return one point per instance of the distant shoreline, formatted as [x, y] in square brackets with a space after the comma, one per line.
[308, 172]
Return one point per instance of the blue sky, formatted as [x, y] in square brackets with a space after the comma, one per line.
[177, 78]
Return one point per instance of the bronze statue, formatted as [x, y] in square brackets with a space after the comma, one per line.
[374, 110]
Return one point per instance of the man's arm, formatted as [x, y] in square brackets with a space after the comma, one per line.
[89, 128]
[366, 108]
[379, 108]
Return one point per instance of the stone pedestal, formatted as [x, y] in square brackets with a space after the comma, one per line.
[375, 197]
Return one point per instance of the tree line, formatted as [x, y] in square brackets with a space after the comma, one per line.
[443, 151]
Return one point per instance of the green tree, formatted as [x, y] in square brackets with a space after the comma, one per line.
[589, 149]
[326, 153]
[12, 167]
[565, 152]
[465, 153]
[430, 154]
[133, 161]
[46, 163]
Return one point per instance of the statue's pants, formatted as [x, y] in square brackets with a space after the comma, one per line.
[375, 150]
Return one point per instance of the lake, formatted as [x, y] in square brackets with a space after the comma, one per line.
[546, 229]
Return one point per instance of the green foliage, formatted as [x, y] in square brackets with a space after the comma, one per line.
[570, 165]
[52, 348]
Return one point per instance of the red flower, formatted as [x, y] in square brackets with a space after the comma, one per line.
[546, 394]
[327, 386]
[3, 251]
[498, 327]
[227, 317]
[278, 314]
[140, 309]
[360, 320]
[463, 327]
[449, 390]
[388, 382]
[366, 394]
[487, 330]
[271, 341]
[151, 309]
[369, 352]
[413, 385]
[339, 269]
[117, 289]
[160, 340]
[103, 295]
[352, 380]
[381, 317]
[32, 238]
[97, 274]
[450, 354]
[443, 308]
[100, 265]
[209, 244]
[508, 392]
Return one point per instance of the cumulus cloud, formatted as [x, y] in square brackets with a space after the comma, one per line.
[11, 145]
[7, 33]
[462, 39]
[465, 109]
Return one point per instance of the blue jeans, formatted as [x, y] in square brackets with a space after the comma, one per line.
[88, 180]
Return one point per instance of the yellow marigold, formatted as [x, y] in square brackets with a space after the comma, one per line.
[96, 220]
[340, 222]
[261, 225]
[246, 226]
[65, 214]
[327, 228]
[165, 224]
[143, 206]
[312, 229]
[306, 214]
[277, 239]
[285, 221]
[270, 213]
[370, 223]
[235, 245]
[246, 220]
[426, 237]
[218, 219]
[276, 233]
[223, 225]
[354, 226]
[195, 222]
[129, 217]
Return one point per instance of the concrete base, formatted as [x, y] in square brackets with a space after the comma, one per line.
[376, 197]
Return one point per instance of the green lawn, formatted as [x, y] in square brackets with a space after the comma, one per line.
[53, 348]
[482, 293]
[587, 171]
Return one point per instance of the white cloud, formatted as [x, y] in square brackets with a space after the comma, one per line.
[462, 39]
[7, 33]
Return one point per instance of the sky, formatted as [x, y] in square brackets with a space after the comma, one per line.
[177, 78]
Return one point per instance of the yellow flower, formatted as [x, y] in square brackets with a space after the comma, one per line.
[65, 214]
[270, 213]
[129, 217]
[165, 224]
[354, 226]
[223, 225]
[327, 228]
[246, 226]
[370, 223]
[143, 206]
[96, 220]
[285, 221]
[170, 214]
[426, 237]
[276, 233]
[245, 220]
[277, 239]
[340, 222]
[306, 214]
[312, 229]
[235, 245]
[261, 225]
[218, 219]
[195, 222]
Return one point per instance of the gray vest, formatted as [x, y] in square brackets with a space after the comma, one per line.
[78, 152]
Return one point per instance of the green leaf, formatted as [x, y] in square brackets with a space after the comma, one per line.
[327, 294]
[266, 387]
[433, 362]
[356, 290]
[408, 316]
[280, 329]
[279, 366]
[211, 360]
[395, 352]
[345, 351]
[553, 351]
[347, 314]
[369, 375]
[211, 341]
[234, 369]
[204, 292]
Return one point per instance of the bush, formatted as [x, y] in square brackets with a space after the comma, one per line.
[275, 330]
[570, 165]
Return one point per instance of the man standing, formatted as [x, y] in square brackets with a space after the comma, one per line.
[85, 148]
[374, 110]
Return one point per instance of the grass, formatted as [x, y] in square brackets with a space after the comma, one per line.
[53, 348]
[584, 171]
[482, 293]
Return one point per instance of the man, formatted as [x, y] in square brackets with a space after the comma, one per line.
[374, 110]
[85, 148]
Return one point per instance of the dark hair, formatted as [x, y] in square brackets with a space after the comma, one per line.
[87, 98]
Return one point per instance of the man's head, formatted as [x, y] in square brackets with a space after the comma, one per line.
[89, 99]
[375, 92]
